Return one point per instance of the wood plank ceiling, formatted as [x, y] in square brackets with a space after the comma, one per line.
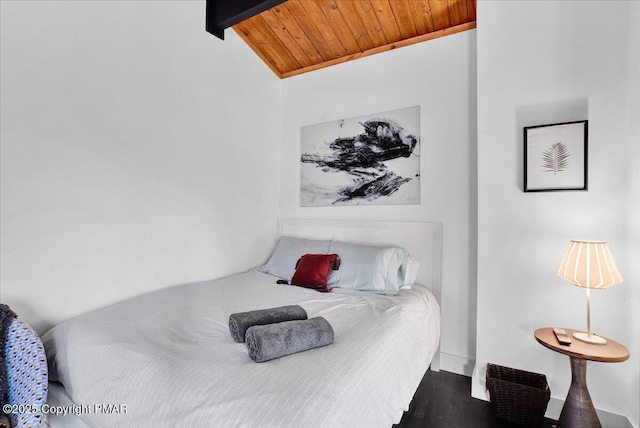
[299, 36]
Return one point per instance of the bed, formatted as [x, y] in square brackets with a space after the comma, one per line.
[167, 358]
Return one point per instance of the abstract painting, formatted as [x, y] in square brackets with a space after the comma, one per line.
[555, 157]
[364, 160]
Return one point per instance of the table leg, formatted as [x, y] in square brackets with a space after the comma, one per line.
[578, 410]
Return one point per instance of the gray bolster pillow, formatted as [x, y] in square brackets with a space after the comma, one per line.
[240, 322]
[266, 342]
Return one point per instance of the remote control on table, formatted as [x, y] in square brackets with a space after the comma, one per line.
[562, 336]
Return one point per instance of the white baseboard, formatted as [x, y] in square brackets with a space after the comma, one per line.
[478, 388]
[607, 419]
[456, 364]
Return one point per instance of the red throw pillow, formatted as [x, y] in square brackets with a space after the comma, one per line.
[313, 270]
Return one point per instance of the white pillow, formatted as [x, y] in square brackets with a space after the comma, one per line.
[287, 253]
[410, 273]
[368, 268]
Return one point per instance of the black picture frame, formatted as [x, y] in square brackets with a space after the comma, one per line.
[556, 157]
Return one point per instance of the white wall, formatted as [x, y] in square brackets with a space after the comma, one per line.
[540, 63]
[633, 209]
[138, 152]
[439, 76]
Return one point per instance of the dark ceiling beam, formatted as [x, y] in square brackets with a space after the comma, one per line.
[221, 14]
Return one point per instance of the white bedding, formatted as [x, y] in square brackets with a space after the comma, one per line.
[169, 357]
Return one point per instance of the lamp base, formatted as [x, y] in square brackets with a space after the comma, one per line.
[590, 338]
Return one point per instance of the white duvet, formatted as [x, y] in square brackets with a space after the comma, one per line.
[169, 358]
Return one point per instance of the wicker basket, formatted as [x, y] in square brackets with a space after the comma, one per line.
[518, 396]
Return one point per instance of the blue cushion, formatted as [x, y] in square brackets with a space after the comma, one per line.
[27, 373]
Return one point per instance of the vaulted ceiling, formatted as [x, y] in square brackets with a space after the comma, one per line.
[299, 36]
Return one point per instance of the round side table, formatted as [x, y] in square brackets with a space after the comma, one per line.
[578, 410]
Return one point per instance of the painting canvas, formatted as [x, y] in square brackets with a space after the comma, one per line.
[555, 157]
[364, 160]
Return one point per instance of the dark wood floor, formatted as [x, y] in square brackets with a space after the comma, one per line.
[443, 400]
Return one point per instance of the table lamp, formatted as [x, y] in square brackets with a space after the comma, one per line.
[589, 264]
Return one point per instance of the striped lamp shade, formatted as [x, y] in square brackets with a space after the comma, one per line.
[589, 264]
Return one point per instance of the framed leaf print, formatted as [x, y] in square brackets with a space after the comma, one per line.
[555, 157]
